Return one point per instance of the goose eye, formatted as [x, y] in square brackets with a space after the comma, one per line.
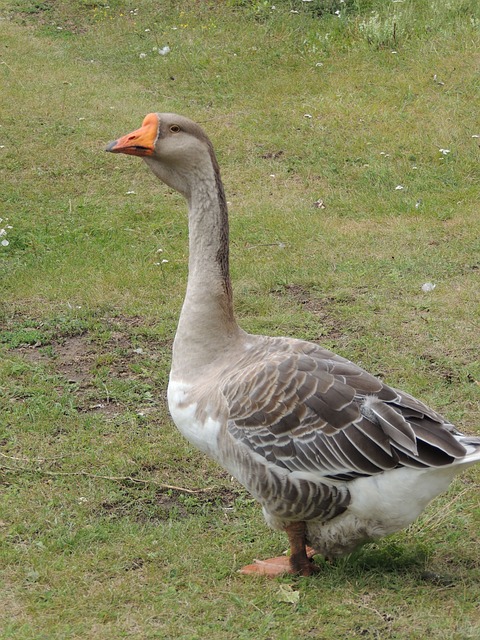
[174, 128]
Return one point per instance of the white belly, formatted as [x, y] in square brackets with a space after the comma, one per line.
[380, 506]
[202, 433]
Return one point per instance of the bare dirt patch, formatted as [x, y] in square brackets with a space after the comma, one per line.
[163, 505]
[73, 359]
[316, 306]
[31, 354]
[106, 375]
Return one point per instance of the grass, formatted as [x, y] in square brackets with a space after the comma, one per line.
[113, 526]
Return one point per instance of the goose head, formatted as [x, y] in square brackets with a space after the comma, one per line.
[176, 149]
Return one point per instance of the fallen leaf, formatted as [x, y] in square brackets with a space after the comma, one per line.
[287, 594]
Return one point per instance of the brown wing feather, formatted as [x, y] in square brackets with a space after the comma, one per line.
[306, 409]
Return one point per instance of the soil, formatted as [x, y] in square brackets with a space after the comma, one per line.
[78, 359]
[316, 306]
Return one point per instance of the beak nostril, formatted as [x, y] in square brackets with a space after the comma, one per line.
[139, 142]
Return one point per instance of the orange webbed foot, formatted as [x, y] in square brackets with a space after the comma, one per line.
[281, 565]
[272, 567]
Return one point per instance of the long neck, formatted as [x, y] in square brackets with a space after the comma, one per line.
[207, 325]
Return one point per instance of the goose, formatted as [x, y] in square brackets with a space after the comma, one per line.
[334, 456]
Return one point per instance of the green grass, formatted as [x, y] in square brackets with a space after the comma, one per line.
[111, 525]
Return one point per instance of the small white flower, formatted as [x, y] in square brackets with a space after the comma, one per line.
[147, 30]
[4, 243]
[130, 193]
[80, 119]
[337, 12]
[3, 232]
[2, 146]
[428, 286]
[159, 250]
[82, 499]
[164, 261]
[418, 203]
[164, 51]
[142, 56]
[399, 187]
[444, 151]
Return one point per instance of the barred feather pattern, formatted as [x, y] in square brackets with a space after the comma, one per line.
[284, 496]
[305, 409]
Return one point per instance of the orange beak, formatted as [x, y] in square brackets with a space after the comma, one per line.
[140, 142]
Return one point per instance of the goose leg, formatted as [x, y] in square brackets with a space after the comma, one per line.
[298, 563]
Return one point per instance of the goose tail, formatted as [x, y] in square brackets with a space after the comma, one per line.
[472, 446]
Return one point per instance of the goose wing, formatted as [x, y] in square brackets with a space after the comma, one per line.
[305, 409]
